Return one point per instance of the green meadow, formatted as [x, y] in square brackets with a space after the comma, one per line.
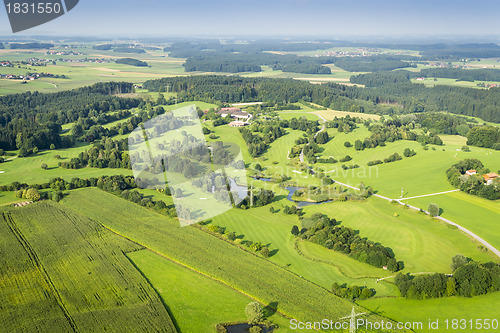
[424, 173]
[197, 303]
[472, 212]
[441, 309]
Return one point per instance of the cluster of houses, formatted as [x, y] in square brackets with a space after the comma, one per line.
[27, 77]
[24, 203]
[43, 62]
[241, 117]
[5, 64]
[64, 53]
[360, 52]
[18, 77]
[488, 178]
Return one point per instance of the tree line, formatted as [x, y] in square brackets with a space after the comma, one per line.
[131, 62]
[386, 99]
[322, 230]
[469, 279]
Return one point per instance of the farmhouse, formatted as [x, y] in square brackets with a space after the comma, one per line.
[470, 172]
[234, 113]
[489, 177]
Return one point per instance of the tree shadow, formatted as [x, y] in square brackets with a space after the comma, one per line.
[279, 197]
[273, 252]
[270, 309]
[441, 210]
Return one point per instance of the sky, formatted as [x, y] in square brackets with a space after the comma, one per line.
[327, 18]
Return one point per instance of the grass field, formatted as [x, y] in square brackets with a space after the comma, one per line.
[239, 269]
[196, 302]
[63, 272]
[28, 169]
[424, 173]
[404, 310]
[423, 244]
[479, 215]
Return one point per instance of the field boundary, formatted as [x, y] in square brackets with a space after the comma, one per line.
[36, 262]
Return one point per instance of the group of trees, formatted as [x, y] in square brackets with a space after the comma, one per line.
[441, 123]
[381, 79]
[393, 158]
[218, 61]
[106, 153]
[404, 76]
[468, 279]
[123, 186]
[257, 198]
[320, 229]
[376, 63]
[352, 292]
[460, 74]
[345, 124]
[30, 194]
[258, 143]
[30, 46]
[34, 119]
[484, 136]
[132, 62]
[391, 131]
[473, 184]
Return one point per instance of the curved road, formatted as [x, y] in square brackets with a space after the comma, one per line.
[465, 230]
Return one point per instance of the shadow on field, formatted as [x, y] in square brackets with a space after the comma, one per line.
[273, 252]
[270, 309]
[280, 197]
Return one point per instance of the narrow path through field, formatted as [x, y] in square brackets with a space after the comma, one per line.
[465, 230]
[428, 195]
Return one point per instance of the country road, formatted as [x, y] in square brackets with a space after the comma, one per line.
[428, 195]
[465, 230]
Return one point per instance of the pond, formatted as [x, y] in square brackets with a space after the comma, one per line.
[291, 191]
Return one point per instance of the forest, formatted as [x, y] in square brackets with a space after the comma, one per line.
[409, 97]
[34, 119]
[131, 62]
[252, 62]
[404, 76]
[29, 46]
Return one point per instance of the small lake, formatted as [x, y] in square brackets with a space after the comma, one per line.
[291, 191]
